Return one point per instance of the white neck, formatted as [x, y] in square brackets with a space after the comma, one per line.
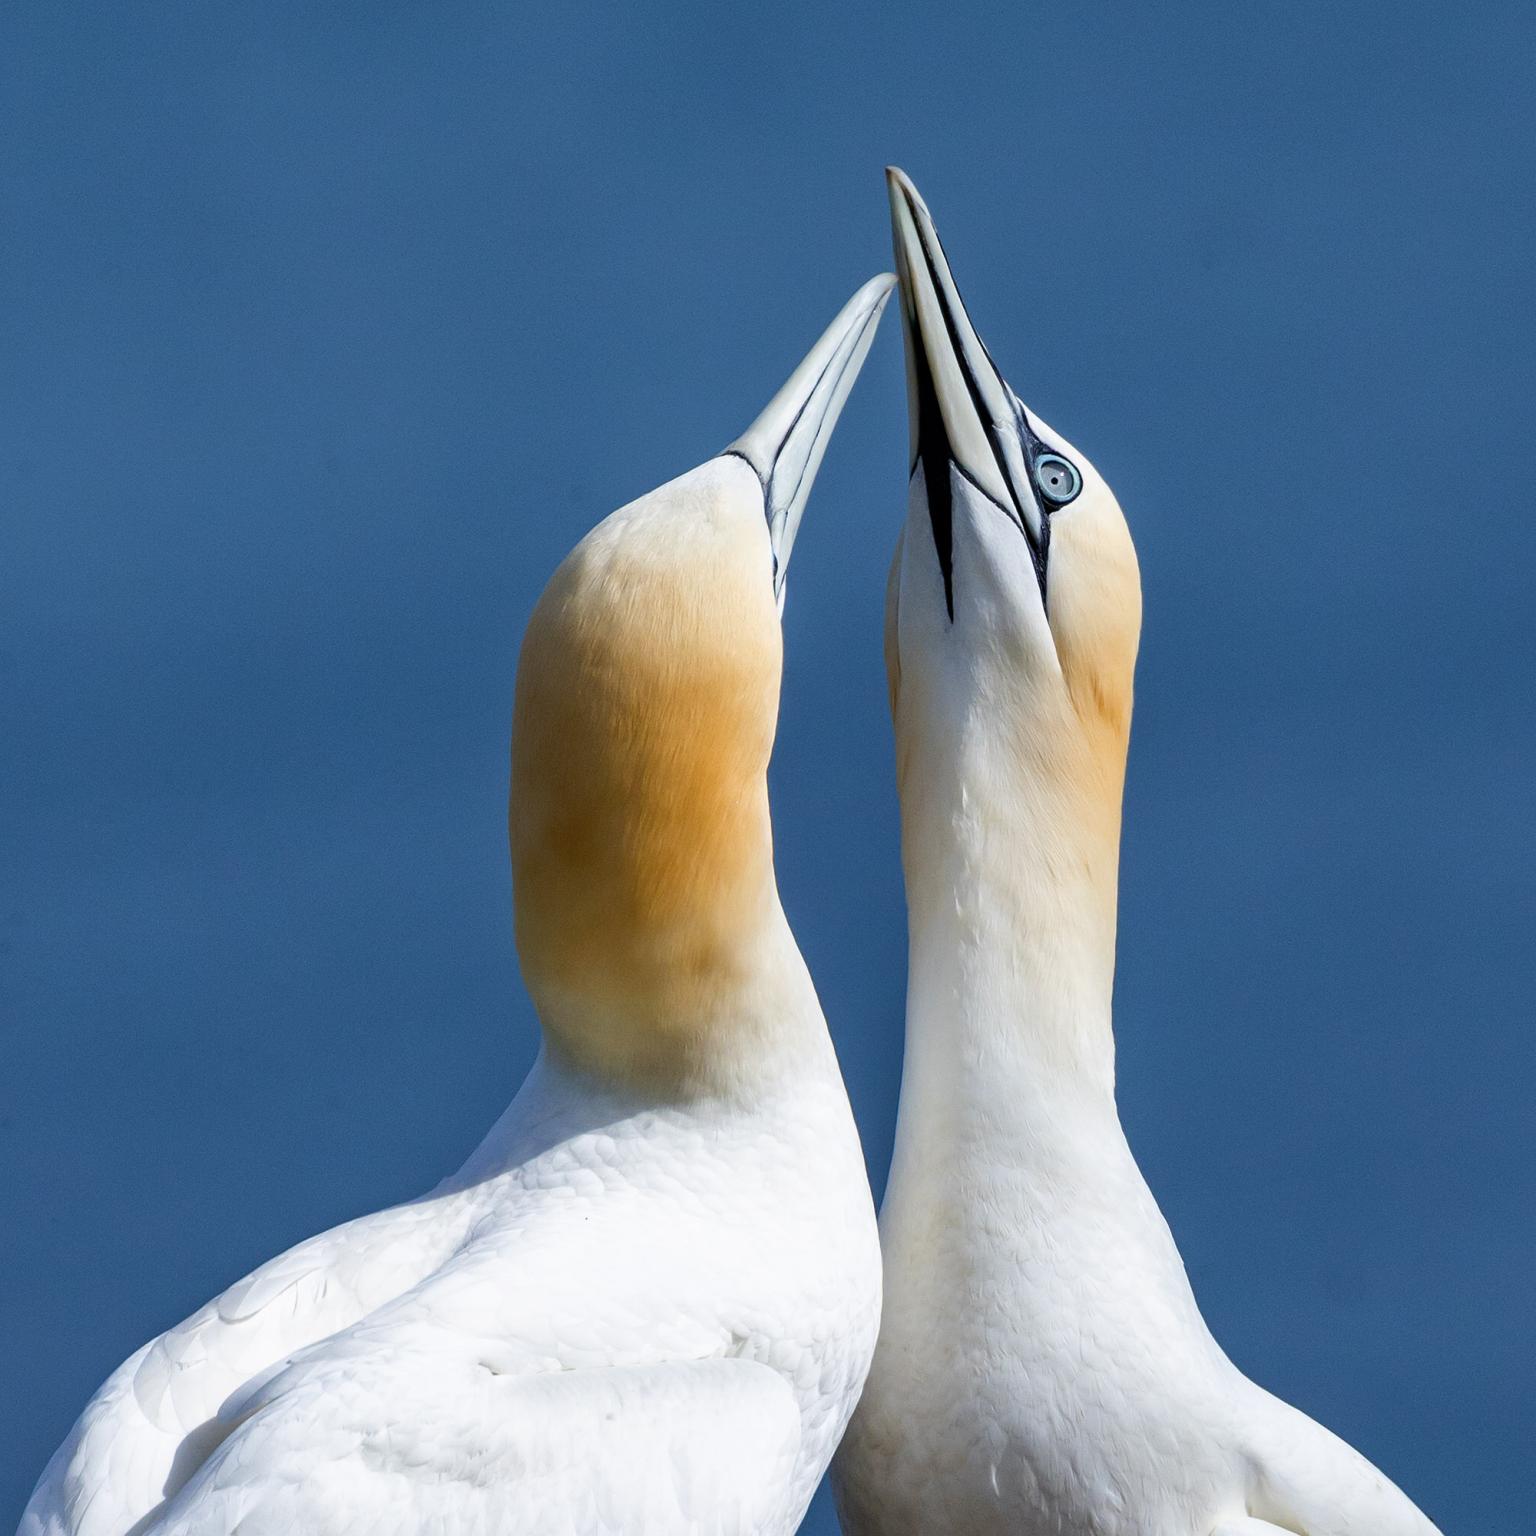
[1011, 894]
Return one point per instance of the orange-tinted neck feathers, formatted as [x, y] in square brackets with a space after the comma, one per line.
[642, 857]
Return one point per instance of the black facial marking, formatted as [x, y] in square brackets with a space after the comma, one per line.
[773, 554]
[933, 454]
[934, 450]
[736, 453]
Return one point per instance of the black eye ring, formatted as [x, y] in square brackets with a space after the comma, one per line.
[1058, 480]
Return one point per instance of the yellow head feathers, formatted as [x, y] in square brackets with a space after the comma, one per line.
[647, 694]
[647, 691]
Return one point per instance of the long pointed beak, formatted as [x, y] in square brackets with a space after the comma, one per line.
[963, 413]
[786, 443]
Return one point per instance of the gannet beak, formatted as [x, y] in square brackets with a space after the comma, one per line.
[963, 414]
[785, 444]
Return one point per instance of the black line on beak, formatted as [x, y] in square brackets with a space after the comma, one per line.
[929, 454]
[933, 452]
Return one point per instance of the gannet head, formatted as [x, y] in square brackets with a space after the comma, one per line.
[646, 701]
[1015, 602]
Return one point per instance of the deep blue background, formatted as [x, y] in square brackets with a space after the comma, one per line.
[330, 328]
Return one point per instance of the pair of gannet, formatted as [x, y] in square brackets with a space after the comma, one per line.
[1042, 1369]
[649, 1301]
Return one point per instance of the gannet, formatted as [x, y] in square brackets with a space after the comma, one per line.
[1042, 1366]
[648, 1301]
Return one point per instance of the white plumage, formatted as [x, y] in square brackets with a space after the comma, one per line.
[648, 1301]
[617, 1317]
[1042, 1369]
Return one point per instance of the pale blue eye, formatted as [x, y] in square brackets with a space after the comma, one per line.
[1058, 480]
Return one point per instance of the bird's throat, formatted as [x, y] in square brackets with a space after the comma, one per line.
[1012, 876]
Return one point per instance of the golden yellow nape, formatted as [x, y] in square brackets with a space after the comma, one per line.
[647, 693]
[1095, 611]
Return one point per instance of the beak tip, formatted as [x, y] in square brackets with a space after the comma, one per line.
[784, 446]
[903, 193]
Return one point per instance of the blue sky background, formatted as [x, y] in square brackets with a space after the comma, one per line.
[328, 329]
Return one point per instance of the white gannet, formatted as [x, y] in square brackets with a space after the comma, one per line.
[1042, 1366]
[648, 1301]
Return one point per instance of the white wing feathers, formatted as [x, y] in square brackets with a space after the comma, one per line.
[632, 1330]
[1309, 1480]
[325, 1392]
[417, 1441]
[156, 1418]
